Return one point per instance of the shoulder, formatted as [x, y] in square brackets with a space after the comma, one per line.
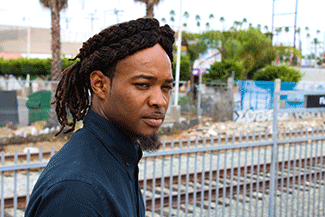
[74, 197]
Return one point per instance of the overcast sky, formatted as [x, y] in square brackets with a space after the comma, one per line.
[310, 13]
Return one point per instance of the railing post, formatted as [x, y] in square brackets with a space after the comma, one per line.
[276, 98]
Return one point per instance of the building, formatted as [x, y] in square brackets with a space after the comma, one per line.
[15, 40]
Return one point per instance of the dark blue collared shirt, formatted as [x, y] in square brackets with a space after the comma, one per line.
[94, 174]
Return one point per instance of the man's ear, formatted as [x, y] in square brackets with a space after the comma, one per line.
[100, 84]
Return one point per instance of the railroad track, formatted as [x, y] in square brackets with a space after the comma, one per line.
[173, 144]
[216, 189]
[224, 186]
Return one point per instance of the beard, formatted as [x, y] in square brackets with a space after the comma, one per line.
[149, 143]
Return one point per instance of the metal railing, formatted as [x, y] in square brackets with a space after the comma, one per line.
[224, 176]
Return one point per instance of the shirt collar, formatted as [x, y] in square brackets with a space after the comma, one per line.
[113, 139]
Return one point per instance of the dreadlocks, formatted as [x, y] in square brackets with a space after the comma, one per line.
[102, 52]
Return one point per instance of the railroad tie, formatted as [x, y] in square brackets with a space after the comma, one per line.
[241, 198]
[226, 201]
[313, 185]
[158, 190]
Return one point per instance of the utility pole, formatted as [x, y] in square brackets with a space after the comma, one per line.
[116, 12]
[67, 21]
[272, 22]
[105, 12]
[295, 26]
[178, 61]
[92, 18]
[28, 37]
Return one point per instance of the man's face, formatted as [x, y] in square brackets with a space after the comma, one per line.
[139, 94]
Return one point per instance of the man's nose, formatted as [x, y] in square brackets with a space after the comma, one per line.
[158, 98]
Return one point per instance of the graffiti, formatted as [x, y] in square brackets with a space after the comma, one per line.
[267, 115]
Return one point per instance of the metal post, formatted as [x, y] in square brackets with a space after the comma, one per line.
[274, 147]
[28, 39]
[199, 97]
[178, 63]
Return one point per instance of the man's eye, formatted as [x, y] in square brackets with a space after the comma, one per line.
[168, 87]
[142, 85]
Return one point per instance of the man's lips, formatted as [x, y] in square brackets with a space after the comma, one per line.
[154, 122]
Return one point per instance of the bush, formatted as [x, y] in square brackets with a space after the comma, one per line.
[223, 70]
[34, 67]
[184, 68]
[285, 73]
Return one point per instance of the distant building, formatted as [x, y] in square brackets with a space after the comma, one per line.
[13, 42]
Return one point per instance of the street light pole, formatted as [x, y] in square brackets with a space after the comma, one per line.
[178, 63]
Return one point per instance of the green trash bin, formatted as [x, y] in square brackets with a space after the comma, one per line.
[38, 105]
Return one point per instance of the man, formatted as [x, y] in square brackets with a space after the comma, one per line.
[127, 70]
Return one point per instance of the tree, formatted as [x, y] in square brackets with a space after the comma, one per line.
[163, 20]
[186, 15]
[149, 6]
[185, 67]
[285, 73]
[194, 47]
[235, 25]
[299, 40]
[198, 24]
[172, 18]
[278, 31]
[286, 29]
[223, 70]
[222, 21]
[244, 21]
[316, 42]
[211, 18]
[207, 26]
[56, 65]
[250, 48]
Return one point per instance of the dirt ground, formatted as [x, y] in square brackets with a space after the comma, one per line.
[46, 146]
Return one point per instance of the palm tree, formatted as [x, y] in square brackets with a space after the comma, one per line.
[207, 25]
[286, 29]
[240, 25]
[149, 6]
[299, 41]
[163, 20]
[172, 18]
[222, 21]
[316, 42]
[278, 31]
[236, 24]
[211, 18]
[198, 24]
[56, 64]
[266, 28]
[186, 15]
[259, 27]
[244, 21]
